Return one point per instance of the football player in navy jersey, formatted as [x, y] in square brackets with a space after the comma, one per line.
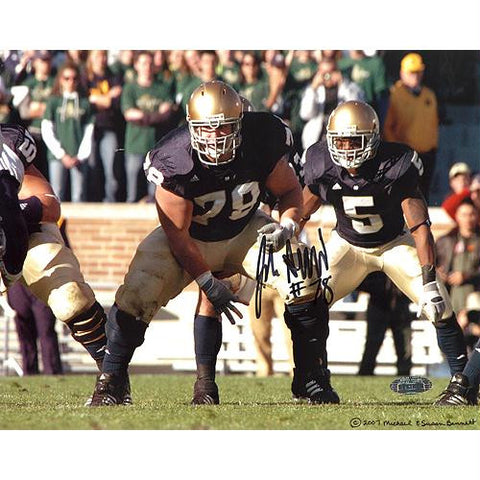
[210, 176]
[207, 323]
[373, 188]
[16, 154]
[34, 248]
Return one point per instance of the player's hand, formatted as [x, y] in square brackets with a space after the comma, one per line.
[219, 295]
[431, 303]
[276, 234]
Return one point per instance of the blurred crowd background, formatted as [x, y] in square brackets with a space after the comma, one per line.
[95, 113]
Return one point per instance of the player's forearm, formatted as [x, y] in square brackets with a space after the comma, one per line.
[415, 211]
[187, 254]
[290, 206]
[425, 245]
[311, 203]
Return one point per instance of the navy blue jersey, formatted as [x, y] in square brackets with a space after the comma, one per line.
[18, 150]
[225, 197]
[367, 206]
[295, 163]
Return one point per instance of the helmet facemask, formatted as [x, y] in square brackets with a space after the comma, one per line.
[214, 116]
[365, 149]
[357, 122]
[219, 149]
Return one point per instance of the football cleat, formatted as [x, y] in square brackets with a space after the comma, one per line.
[111, 390]
[205, 392]
[314, 389]
[127, 397]
[457, 393]
[299, 393]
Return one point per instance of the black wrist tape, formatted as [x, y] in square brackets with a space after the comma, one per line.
[426, 222]
[428, 274]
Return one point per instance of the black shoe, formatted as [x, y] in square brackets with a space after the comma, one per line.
[299, 392]
[457, 393]
[314, 388]
[205, 392]
[111, 390]
[127, 397]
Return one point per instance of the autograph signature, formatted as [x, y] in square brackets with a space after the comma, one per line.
[304, 269]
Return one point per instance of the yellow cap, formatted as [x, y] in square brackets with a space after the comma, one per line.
[412, 62]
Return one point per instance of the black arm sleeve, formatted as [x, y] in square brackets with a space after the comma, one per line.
[13, 225]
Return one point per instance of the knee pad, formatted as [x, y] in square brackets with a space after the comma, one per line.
[67, 301]
[89, 326]
[125, 329]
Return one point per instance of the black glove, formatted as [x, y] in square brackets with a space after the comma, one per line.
[219, 295]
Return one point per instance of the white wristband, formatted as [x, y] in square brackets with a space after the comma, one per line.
[203, 278]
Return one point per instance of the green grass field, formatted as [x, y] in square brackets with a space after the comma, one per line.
[161, 402]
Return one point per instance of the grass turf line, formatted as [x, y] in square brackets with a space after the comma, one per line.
[162, 402]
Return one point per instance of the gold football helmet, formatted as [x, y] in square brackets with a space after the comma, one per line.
[358, 122]
[247, 104]
[214, 105]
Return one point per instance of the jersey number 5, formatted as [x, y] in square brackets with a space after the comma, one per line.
[365, 222]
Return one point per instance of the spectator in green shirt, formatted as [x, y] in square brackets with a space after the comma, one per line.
[228, 68]
[123, 66]
[185, 81]
[67, 129]
[39, 85]
[150, 113]
[253, 86]
[368, 72]
[303, 67]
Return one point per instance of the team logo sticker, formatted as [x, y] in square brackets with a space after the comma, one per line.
[410, 385]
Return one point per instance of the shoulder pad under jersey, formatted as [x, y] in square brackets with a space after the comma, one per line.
[170, 157]
[18, 150]
[317, 162]
[396, 159]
